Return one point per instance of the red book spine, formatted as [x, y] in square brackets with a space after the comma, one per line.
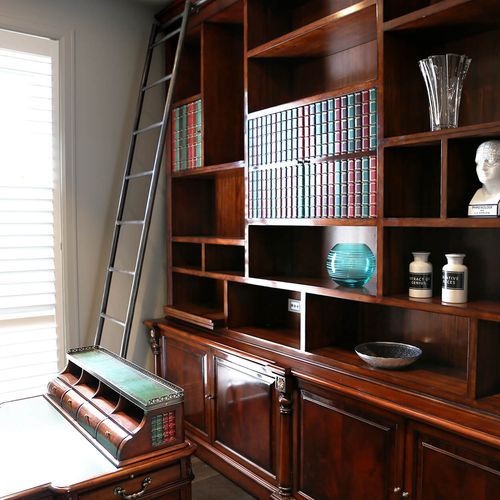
[300, 133]
[294, 191]
[191, 154]
[175, 115]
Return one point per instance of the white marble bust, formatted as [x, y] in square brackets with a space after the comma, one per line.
[488, 172]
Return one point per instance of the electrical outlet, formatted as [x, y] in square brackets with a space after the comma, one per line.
[294, 306]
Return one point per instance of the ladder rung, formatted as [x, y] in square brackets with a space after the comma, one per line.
[113, 320]
[140, 174]
[165, 38]
[121, 271]
[170, 22]
[150, 127]
[161, 80]
[125, 222]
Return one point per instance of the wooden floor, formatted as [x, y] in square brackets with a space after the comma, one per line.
[208, 484]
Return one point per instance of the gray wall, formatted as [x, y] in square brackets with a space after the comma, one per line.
[105, 42]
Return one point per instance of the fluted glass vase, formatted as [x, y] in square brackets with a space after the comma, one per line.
[350, 264]
[444, 78]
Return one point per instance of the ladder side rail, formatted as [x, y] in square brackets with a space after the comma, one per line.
[121, 203]
[154, 181]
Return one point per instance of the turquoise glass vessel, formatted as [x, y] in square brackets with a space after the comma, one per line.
[350, 264]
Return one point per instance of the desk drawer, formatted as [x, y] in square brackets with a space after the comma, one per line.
[89, 418]
[71, 401]
[56, 390]
[153, 483]
[111, 436]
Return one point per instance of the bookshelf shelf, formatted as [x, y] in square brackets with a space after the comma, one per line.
[438, 380]
[281, 336]
[490, 129]
[213, 240]
[476, 14]
[312, 222]
[442, 222]
[211, 170]
[186, 100]
[480, 309]
[324, 286]
[219, 275]
[204, 316]
[342, 30]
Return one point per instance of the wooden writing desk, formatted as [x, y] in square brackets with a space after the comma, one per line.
[106, 429]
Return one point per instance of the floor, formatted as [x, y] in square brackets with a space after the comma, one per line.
[208, 484]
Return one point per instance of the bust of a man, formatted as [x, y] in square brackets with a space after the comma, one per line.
[488, 172]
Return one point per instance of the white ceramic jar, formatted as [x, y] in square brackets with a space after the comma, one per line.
[455, 279]
[420, 277]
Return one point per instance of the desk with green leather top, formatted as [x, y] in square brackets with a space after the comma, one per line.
[106, 429]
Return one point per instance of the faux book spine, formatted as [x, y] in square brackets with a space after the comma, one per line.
[186, 136]
[342, 125]
[329, 189]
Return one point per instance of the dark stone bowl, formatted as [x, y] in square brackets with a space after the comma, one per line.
[388, 355]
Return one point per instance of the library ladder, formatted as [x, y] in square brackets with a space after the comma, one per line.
[174, 29]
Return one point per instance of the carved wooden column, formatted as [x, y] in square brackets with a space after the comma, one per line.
[284, 472]
[154, 342]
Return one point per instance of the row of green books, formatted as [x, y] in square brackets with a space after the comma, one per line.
[327, 189]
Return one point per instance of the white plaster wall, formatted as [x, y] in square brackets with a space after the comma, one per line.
[109, 43]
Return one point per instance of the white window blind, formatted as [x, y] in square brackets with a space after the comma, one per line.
[31, 343]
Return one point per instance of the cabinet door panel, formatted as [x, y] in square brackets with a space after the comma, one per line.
[452, 468]
[348, 450]
[186, 366]
[245, 408]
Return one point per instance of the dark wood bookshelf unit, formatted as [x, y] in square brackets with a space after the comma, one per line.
[249, 292]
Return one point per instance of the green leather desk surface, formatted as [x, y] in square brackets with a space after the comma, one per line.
[39, 446]
[140, 386]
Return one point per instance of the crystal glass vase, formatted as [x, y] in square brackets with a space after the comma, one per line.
[444, 78]
[350, 264]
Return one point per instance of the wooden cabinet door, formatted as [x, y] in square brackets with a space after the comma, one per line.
[186, 365]
[345, 449]
[245, 411]
[443, 466]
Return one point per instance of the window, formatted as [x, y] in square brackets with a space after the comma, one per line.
[31, 340]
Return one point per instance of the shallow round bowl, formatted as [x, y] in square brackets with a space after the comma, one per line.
[388, 355]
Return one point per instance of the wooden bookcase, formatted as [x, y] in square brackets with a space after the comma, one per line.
[235, 275]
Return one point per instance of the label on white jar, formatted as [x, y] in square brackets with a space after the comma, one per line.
[421, 281]
[453, 280]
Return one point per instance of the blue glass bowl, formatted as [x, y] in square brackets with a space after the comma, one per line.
[350, 264]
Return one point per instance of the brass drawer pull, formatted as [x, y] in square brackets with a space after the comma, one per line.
[120, 492]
